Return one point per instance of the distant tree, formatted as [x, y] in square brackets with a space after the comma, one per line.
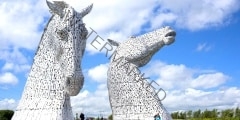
[228, 113]
[207, 114]
[183, 115]
[110, 117]
[189, 114]
[214, 113]
[197, 114]
[6, 114]
[237, 113]
[175, 115]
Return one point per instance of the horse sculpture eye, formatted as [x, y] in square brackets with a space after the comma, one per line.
[62, 34]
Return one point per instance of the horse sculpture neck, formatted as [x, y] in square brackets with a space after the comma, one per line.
[56, 71]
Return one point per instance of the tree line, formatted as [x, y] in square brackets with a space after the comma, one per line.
[6, 114]
[227, 114]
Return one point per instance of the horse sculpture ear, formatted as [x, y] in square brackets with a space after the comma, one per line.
[57, 7]
[114, 43]
[86, 10]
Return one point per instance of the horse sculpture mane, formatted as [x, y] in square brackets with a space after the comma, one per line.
[56, 71]
[131, 96]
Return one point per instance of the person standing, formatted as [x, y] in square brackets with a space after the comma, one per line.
[82, 116]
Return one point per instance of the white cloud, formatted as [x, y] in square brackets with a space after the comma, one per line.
[8, 66]
[209, 80]
[20, 22]
[92, 104]
[116, 19]
[191, 89]
[200, 14]
[204, 47]
[13, 55]
[121, 19]
[8, 79]
[98, 73]
[89, 103]
[16, 67]
[170, 76]
[15, 60]
[161, 19]
[193, 99]
[9, 104]
[123, 16]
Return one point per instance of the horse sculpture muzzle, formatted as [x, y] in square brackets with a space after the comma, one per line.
[74, 84]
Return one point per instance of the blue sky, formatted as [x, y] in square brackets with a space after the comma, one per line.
[199, 70]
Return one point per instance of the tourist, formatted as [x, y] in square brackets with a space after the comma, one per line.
[82, 116]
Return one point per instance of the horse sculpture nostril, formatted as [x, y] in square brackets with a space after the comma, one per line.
[68, 80]
[171, 34]
[73, 85]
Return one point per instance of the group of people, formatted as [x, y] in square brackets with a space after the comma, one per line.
[156, 117]
[82, 117]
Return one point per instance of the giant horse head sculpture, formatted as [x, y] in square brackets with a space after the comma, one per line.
[56, 72]
[68, 38]
[139, 50]
[131, 96]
